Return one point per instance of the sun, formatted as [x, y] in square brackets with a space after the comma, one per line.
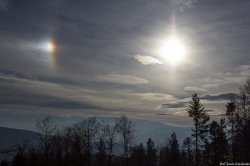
[173, 50]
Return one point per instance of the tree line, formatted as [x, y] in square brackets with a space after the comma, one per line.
[92, 143]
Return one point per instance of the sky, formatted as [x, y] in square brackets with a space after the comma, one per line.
[71, 59]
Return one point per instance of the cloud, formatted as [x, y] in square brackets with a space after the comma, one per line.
[209, 98]
[23, 79]
[211, 80]
[243, 67]
[218, 115]
[156, 97]
[147, 60]
[183, 4]
[211, 85]
[239, 76]
[4, 4]
[244, 70]
[162, 114]
[209, 110]
[122, 79]
[46, 101]
[23, 91]
[31, 96]
[237, 79]
[173, 105]
[193, 88]
[224, 96]
[84, 90]
[227, 80]
[16, 76]
[176, 125]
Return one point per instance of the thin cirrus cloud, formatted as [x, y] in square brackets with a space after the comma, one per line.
[216, 85]
[183, 4]
[244, 70]
[237, 76]
[4, 4]
[122, 79]
[172, 105]
[156, 97]
[193, 88]
[23, 79]
[243, 67]
[147, 60]
[210, 83]
[210, 101]
[223, 96]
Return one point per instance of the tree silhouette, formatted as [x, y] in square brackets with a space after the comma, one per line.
[111, 132]
[187, 147]
[67, 142]
[47, 129]
[101, 151]
[216, 148]
[200, 118]
[151, 153]
[243, 109]
[138, 155]
[4, 163]
[126, 130]
[164, 156]
[232, 120]
[87, 129]
[174, 150]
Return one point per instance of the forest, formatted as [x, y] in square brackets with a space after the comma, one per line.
[92, 143]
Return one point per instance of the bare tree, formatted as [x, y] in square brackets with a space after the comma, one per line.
[126, 130]
[111, 133]
[87, 130]
[243, 121]
[67, 142]
[47, 129]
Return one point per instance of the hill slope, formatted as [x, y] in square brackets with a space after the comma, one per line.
[10, 136]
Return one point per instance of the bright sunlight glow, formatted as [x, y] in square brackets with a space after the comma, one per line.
[48, 46]
[173, 50]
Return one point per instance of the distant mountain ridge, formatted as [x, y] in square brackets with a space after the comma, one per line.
[10, 136]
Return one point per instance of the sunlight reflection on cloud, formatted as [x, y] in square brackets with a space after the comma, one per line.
[147, 60]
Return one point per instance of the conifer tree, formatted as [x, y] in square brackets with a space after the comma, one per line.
[174, 150]
[187, 147]
[151, 155]
[138, 155]
[217, 145]
[200, 119]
